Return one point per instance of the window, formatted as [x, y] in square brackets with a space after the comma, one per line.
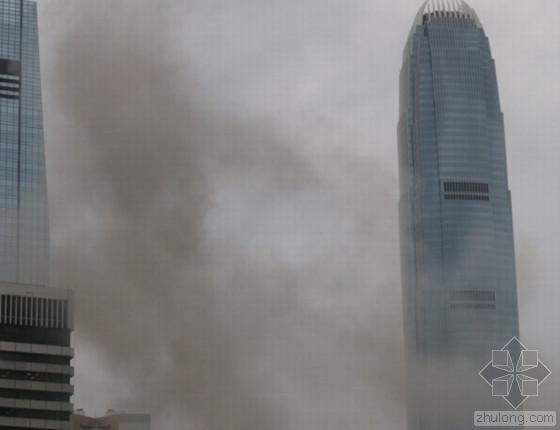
[473, 191]
[488, 306]
[9, 67]
[465, 187]
[473, 299]
[473, 295]
[9, 79]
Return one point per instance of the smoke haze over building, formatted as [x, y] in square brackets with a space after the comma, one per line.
[223, 192]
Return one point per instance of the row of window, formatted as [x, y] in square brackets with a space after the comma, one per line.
[473, 295]
[472, 197]
[9, 79]
[33, 358]
[33, 311]
[487, 306]
[9, 90]
[465, 187]
[34, 414]
[8, 96]
[448, 18]
[473, 299]
[18, 375]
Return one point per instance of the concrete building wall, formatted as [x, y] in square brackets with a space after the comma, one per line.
[111, 422]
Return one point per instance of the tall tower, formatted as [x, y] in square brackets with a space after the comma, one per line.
[457, 252]
[35, 320]
[24, 231]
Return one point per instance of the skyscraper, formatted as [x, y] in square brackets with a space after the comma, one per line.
[24, 233]
[35, 320]
[457, 253]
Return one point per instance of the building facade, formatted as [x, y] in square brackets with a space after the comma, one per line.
[457, 250]
[113, 421]
[24, 232]
[35, 320]
[35, 355]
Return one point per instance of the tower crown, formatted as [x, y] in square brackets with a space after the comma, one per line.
[455, 9]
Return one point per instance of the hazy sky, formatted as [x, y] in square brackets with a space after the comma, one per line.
[223, 199]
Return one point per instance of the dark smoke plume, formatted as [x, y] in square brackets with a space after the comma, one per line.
[226, 279]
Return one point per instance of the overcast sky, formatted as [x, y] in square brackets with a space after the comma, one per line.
[223, 198]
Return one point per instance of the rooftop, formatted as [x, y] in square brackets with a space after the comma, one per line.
[457, 9]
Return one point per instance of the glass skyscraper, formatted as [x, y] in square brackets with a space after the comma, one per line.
[24, 233]
[457, 251]
[35, 320]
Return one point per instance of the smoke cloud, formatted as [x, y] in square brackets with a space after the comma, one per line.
[229, 273]
[223, 200]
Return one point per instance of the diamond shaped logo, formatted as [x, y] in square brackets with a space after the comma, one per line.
[515, 373]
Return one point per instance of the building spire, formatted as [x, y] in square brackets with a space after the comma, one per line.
[458, 9]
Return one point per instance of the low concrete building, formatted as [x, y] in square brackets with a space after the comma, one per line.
[112, 421]
[35, 354]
